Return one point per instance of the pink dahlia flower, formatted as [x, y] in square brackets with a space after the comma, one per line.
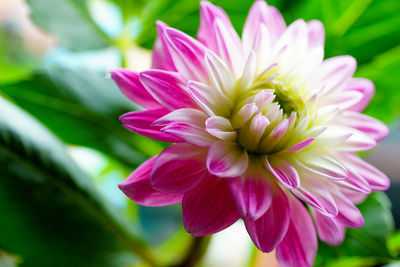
[264, 129]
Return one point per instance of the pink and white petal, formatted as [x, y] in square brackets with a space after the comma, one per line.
[269, 230]
[227, 159]
[252, 193]
[208, 14]
[179, 168]
[299, 246]
[330, 230]
[260, 13]
[283, 171]
[183, 115]
[316, 34]
[366, 124]
[161, 58]
[187, 55]
[314, 193]
[364, 86]
[301, 145]
[208, 208]
[221, 128]
[221, 76]
[229, 46]
[336, 71]
[168, 88]
[321, 165]
[349, 215]
[377, 180]
[138, 188]
[211, 100]
[130, 85]
[141, 122]
[190, 133]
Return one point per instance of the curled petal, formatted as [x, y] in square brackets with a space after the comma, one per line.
[208, 208]
[179, 168]
[190, 133]
[268, 231]
[283, 171]
[138, 188]
[364, 86]
[299, 246]
[336, 71]
[226, 159]
[141, 122]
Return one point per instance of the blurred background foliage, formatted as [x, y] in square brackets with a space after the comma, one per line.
[63, 150]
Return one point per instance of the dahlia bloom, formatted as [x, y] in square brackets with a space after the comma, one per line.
[264, 129]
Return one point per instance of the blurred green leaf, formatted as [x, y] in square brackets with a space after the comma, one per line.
[53, 216]
[15, 62]
[365, 244]
[82, 108]
[70, 21]
[394, 244]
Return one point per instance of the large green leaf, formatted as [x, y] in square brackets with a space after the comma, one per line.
[82, 107]
[70, 21]
[51, 214]
[365, 246]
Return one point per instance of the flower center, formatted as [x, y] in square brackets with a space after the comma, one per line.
[265, 115]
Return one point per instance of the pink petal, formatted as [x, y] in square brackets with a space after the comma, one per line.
[141, 122]
[299, 246]
[349, 215]
[316, 195]
[161, 58]
[130, 85]
[187, 54]
[330, 230]
[227, 159]
[269, 230]
[178, 168]
[168, 88]
[209, 207]
[283, 171]
[366, 124]
[316, 34]
[138, 188]
[221, 128]
[208, 14]
[364, 86]
[261, 13]
[376, 179]
[252, 193]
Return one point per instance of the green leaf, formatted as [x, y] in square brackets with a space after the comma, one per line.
[53, 214]
[365, 244]
[70, 21]
[82, 108]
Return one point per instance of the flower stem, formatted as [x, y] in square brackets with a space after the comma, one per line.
[195, 252]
